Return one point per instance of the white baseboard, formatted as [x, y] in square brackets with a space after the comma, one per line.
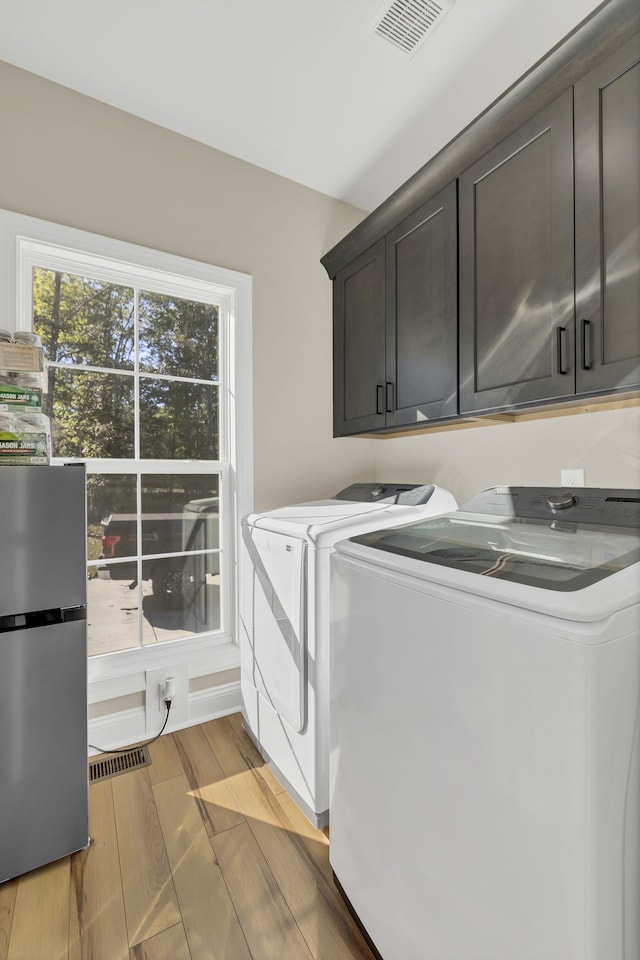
[129, 726]
[213, 703]
[117, 729]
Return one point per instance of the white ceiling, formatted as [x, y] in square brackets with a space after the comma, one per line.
[303, 88]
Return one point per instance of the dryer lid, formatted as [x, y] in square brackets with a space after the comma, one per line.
[323, 511]
[322, 522]
[304, 519]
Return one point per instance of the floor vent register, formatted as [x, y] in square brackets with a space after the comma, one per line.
[114, 765]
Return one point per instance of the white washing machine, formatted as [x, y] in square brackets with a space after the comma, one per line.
[284, 614]
[485, 729]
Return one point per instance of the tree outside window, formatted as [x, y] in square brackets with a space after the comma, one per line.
[133, 379]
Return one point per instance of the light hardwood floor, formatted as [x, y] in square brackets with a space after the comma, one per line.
[199, 856]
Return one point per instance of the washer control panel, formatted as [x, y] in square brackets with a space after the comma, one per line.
[560, 501]
[599, 505]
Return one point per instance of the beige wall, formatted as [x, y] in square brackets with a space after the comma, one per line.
[69, 159]
[605, 443]
[72, 160]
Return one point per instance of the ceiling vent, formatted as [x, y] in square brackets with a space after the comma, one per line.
[408, 23]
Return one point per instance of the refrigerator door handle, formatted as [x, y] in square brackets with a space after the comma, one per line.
[41, 618]
[74, 613]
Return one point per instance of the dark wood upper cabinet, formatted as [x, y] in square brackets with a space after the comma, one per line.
[607, 183]
[421, 312]
[394, 334]
[516, 267]
[505, 274]
[359, 344]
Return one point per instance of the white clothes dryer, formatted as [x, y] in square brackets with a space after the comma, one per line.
[284, 621]
[485, 729]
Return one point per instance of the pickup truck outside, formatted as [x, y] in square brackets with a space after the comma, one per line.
[175, 580]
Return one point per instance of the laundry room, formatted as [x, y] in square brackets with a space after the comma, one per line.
[294, 284]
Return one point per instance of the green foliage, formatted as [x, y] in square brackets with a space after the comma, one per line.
[109, 493]
[90, 323]
[178, 420]
[83, 321]
[168, 493]
[178, 337]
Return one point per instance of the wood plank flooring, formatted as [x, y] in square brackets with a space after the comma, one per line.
[199, 856]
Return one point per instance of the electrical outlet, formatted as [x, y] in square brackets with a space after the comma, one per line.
[572, 478]
[156, 687]
[169, 689]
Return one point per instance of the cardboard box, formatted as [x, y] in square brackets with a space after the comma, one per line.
[25, 438]
[21, 357]
[13, 397]
[25, 448]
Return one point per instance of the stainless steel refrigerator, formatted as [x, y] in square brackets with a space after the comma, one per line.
[43, 666]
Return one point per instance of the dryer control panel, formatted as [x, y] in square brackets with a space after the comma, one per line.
[409, 494]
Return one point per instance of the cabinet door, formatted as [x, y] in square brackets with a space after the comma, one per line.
[359, 344]
[607, 131]
[422, 314]
[516, 267]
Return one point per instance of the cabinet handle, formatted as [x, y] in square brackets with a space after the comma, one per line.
[586, 345]
[379, 398]
[390, 397]
[561, 364]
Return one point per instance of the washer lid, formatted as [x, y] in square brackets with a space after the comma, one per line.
[553, 555]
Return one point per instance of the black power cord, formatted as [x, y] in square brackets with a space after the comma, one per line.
[137, 746]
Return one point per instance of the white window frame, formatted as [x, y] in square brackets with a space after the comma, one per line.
[26, 242]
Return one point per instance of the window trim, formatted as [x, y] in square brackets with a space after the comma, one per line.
[24, 238]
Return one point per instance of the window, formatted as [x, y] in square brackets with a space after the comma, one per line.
[133, 376]
[145, 354]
